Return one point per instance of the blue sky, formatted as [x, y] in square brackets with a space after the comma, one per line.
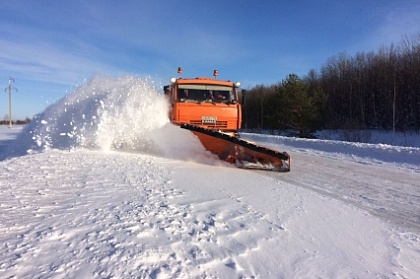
[50, 47]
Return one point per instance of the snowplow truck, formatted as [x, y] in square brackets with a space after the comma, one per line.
[210, 109]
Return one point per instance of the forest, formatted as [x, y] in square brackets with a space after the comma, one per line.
[373, 90]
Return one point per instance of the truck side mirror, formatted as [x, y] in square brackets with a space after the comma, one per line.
[166, 89]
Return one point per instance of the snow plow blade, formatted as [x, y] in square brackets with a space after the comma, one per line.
[241, 153]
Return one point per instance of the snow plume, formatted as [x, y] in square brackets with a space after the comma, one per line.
[108, 113]
[128, 115]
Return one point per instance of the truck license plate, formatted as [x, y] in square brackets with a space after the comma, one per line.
[208, 119]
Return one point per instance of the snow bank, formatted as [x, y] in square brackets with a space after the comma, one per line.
[366, 153]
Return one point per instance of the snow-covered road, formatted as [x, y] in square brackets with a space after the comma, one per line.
[389, 193]
[388, 190]
[115, 214]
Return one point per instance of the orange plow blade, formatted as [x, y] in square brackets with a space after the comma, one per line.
[241, 153]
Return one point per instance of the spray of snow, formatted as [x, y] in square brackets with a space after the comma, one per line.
[111, 113]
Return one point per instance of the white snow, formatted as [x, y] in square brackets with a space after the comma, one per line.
[100, 185]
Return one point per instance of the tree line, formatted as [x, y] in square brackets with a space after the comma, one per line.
[373, 90]
[15, 122]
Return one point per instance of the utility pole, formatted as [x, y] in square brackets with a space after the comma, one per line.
[394, 110]
[10, 87]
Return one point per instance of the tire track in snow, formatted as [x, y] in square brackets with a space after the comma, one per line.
[390, 196]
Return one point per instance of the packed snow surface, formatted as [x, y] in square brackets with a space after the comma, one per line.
[101, 185]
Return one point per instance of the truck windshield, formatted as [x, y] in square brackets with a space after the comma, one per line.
[206, 93]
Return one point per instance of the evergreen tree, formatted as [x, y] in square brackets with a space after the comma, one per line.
[299, 111]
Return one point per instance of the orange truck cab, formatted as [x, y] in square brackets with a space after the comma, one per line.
[205, 102]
